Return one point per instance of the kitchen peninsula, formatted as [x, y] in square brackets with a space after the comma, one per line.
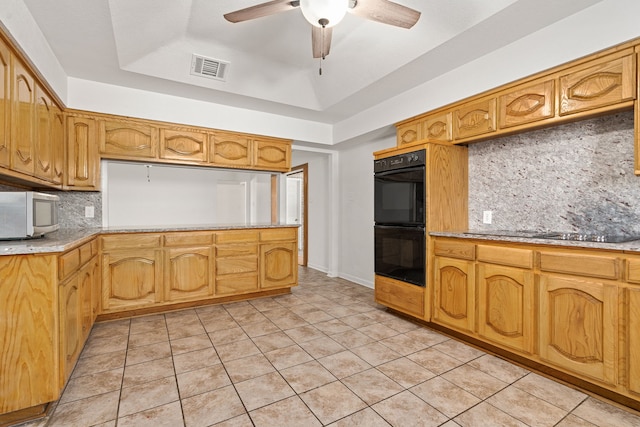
[54, 288]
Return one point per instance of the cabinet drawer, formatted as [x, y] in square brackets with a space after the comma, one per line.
[605, 267]
[131, 241]
[236, 284]
[241, 264]
[68, 263]
[278, 234]
[460, 250]
[236, 250]
[188, 239]
[87, 251]
[633, 270]
[505, 256]
[400, 296]
[237, 236]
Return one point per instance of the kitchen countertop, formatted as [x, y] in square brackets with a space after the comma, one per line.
[64, 239]
[527, 237]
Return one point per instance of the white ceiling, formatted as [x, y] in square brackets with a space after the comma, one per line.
[148, 44]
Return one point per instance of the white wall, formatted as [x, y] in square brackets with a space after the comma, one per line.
[319, 207]
[356, 210]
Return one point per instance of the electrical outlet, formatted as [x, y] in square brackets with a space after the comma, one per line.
[89, 211]
[486, 217]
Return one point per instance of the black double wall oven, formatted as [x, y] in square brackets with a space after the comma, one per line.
[399, 214]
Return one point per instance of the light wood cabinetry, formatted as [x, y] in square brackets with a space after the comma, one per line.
[229, 149]
[401, 296]
[579, 326]
[631, 350]
[271, 154]
[409, 132]
[454, 293]
[127, 139]
[474, 119]
[45, 147]
[5, 104]
[607, 82]
[278, 258]
[58, 141]
[28, 327]
[438, 127]
[183, 144]
[82, 160]
[527, 104]
[70, 314]
[236, 262]
[23, 119]
[506, 306]
[189, 266]
[131, 271]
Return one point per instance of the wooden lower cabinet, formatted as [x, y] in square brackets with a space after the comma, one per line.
[29, 331]
[236, 262]
[506, 306]
[278, 265]
[131, 279]
[188, 273]
[454, 294]
[400, 296]
[632, 339]
[71, 322]
[579, 325]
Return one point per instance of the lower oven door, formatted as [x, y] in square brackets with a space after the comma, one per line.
[400, 253]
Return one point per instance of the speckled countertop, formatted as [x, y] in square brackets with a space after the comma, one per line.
[527, 237]
[65, 239]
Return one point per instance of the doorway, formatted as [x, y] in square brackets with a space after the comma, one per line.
[297, 207]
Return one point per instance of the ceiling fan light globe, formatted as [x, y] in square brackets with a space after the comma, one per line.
[330, 10]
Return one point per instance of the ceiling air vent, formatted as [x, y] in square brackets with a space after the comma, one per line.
[208, 67]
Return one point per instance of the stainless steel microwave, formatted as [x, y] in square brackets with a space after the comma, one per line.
[27, 214]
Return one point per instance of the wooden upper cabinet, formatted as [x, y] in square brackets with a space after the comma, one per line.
[593, 86]
[128, 139]
[437, 128]
[183, 145]
[58, 143]
[44, 149]
[22, 120]
[230, 149]
[5, 103]
[82, 166]
[525, 105]
[408, 133]
[475, 118]
[272, 155]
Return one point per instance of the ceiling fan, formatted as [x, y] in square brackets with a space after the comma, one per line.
[324, 14]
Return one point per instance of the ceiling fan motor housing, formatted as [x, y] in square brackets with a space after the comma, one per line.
[324, 13]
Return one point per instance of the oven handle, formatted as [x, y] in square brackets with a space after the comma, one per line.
[399, 170]
[403, 227]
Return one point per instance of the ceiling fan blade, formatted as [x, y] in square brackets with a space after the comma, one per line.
[260, 10]
[387, 12]
[321, 41]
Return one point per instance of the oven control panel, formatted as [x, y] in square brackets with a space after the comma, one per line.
[400, 161]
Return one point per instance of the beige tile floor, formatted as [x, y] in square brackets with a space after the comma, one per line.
[324, 355]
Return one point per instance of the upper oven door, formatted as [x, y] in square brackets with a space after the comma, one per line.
[399, 197]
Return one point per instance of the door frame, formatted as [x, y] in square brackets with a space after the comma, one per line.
[304, 168]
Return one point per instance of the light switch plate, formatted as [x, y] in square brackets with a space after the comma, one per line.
[486, 217]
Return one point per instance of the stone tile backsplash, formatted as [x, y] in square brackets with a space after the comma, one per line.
[573, 177]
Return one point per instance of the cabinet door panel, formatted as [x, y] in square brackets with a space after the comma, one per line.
[82, 154]
[438, 128]
[230, 149]
[408, 133]
[278, 265]
[526, 105]
[131, 279]
[70, 326]
[188, 273]
[272, 155]
[5, 103]
[454, 294]
[128, 139]
[633, 340]
[400, 296]
[505, 301]
[600, 85]
[57, 141]
[22, 120]
[578, 326]
[43, 143]
[475, 119]
[183, 145]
